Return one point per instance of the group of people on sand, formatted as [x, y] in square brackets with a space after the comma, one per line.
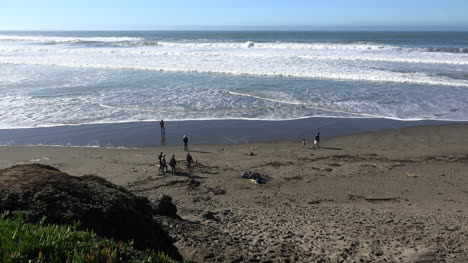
[316, 141]
[173, 161]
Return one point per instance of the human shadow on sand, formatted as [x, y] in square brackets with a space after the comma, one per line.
[331, 148]
[192, 151]
[186, 174]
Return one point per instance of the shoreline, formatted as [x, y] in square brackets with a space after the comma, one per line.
[200, 132]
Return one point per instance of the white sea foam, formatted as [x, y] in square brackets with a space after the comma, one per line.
[321, 61]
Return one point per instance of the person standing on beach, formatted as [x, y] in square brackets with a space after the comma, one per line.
[185, 139]
[303, 143]
[159, 159]
[163, 129]
[172, 164]
[163, 164]
[316, 141]
[189, 160]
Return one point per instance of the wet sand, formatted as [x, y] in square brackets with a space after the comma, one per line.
[142, 134]
[395, 195]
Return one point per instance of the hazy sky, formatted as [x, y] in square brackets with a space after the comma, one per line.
[230, 14]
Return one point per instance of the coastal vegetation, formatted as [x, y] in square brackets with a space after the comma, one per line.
[25, 242]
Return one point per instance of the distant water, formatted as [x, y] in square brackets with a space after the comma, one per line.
[65, 78]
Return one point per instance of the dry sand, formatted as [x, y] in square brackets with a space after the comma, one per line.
[392, 196]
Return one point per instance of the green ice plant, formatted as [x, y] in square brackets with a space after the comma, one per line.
[40, 243]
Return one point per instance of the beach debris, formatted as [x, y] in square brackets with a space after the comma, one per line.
[210, 215]
[201, 199]
[328, 169]
[355, 197]
[368, 165]
[274, 164]
[216, 190]
[189, 183]
[388, 199]
[210, 255]
[255, 177]
[455, 228]
[192, 184]
[294, 178]
[411, 174]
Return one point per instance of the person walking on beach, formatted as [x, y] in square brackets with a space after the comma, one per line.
[172, 164]
[189, 160]
[163, 129]
[303, 143]
[163, 164]
[185, 139]
[316, 141]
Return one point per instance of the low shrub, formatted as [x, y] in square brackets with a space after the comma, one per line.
[41, 243]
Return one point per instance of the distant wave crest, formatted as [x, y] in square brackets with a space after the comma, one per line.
[54, 39]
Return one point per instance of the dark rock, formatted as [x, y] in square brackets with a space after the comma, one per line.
[238, 260]
[109, 210]
[210, 255]
[163, 206]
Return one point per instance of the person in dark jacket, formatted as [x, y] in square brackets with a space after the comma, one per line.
[159, 160]
[189, 160]
[185, 139]
[163, 129]
[172, 164]
[316, 141]
[163, 164]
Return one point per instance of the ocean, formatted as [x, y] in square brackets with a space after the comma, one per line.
[70, 78]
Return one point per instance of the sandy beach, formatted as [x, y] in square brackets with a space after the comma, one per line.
[389, 196]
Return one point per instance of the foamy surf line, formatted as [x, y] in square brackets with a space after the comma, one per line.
[139, 134]
[402, 56]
